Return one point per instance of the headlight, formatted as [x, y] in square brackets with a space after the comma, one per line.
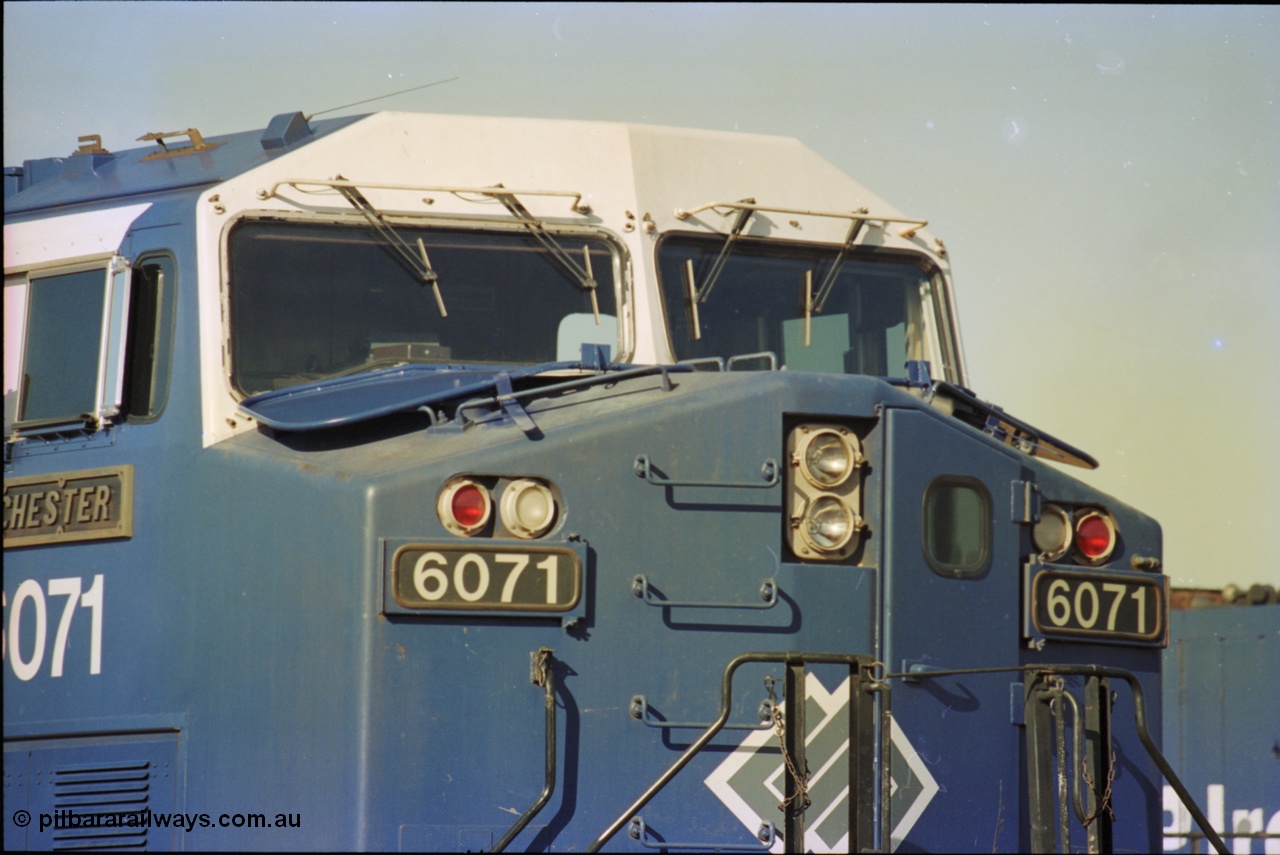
[828, 524]
[827, 458]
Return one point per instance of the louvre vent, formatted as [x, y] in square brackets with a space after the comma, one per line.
[101, 797]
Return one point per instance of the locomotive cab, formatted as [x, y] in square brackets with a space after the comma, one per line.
[442, 482]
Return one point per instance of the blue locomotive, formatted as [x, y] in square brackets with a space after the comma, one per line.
[417, 482]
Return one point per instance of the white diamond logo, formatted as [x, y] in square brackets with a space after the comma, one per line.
[750, 782]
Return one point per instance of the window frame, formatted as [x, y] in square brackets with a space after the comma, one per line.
[163, 338]
[953, 570]
[940, 341]
[112, 335]
[620, 269]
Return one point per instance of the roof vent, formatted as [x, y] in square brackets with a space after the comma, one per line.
[285, 130]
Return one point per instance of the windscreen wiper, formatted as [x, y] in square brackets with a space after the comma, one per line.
[812, 304]
[698, 295]
[419, 263]
[829, 281]
[581, 272]
[740, 223]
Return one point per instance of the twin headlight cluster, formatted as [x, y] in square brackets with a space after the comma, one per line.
[825, 491]
[527, 507]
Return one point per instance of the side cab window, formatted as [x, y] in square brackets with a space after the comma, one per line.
[149, 355]
[87, 345]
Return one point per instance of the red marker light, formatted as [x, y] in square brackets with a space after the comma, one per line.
[1095, 537]
[464, 506]
[469, 505]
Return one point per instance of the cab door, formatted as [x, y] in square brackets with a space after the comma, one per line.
[951, 571]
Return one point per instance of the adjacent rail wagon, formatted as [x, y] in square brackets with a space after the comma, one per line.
[416, 482]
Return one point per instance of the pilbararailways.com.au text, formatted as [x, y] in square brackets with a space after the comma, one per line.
[146, 818]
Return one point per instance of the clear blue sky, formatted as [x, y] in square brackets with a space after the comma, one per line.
[1107, 179]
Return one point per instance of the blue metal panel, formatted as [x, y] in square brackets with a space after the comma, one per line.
[1221, 730]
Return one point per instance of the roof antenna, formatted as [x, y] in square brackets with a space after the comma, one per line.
[380, 97]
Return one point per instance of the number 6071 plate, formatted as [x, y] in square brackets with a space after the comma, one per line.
[485, 578]
[1094, 605]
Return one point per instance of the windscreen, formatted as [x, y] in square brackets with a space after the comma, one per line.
[312, 301]
[870, 317]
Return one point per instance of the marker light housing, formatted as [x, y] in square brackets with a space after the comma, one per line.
[1095, 536]
[1052, 535]
[464, 506]
[528, 508]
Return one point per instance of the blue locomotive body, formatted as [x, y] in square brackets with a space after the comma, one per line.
[331, 520]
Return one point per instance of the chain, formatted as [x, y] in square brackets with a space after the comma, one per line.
[539, 663]
[779, 726]
[1104, 803]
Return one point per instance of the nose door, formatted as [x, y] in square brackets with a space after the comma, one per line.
[951, 570]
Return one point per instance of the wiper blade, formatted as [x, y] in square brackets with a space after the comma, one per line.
[581, 272]
[419, 263]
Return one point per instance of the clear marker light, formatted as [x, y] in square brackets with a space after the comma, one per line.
[528, 508]
[1052, 534]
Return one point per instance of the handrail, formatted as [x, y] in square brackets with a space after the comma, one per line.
[576, 206]
[622, 372]
[766, 834]
[1140, 721]
[641, 590]
[769, 471]
[543, 674]
[854, 216]
[639, 710]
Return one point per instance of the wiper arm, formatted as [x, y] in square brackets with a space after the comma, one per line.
[744, 216]
[581, 272]
[418, 263]
[829, 281]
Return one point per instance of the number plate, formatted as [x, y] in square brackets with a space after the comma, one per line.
[490, 578]
[1084, 605]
